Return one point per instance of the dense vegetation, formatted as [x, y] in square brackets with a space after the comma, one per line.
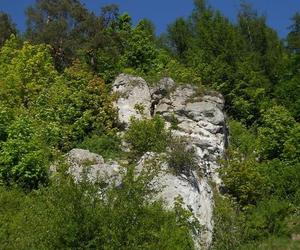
[55, 80]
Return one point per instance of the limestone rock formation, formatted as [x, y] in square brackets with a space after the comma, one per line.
[195, 192]
[198, 117]
[134, 97]
[201, 120]
[108, 171]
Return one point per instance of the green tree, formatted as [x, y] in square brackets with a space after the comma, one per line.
[6, 117]
[261, 40]
[109, 15]
[275, 129]
[23, 156]
[65, 25]
[7, 28]
[179, 36]
[293, 37]
[291, 150]
[148, 27]
[78, 102]
[140, 52]
[243, 179]
[24, 72]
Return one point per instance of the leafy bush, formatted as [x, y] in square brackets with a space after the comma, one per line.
[125, 219]
[108, 146]
[291, 150]
[80, 103]
[6, 117]
[284, 179]
[275, 129]
[24, 157]
[267, 218]
[24, 72]
[140, 51]
[243, 178]
[182, 158]
[54, 111]
[229, 224]
[147, 135]
[241, 138]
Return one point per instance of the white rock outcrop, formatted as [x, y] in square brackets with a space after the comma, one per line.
[109, 172]
[134, 97]
[198, 117]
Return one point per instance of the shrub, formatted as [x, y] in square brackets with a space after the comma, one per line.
[124, 220]
[108, 146]
[24, 157]
[267, 218]
[243, 178]
[275, 129]
[6, 117]
[147, 135]
[228, 228]
[241, 138]
[182, 158]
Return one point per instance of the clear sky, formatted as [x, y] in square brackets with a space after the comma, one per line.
[163, 12]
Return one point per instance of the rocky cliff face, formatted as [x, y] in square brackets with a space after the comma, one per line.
[199, 118]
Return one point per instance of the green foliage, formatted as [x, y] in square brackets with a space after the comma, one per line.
[274, 243]
[229, 224]
[23, 156]
[287, 92]
[53, 111]
[125, 219]
[53, 98]
[284, 179]
[180, 73]
[179, 35]
[140, 52]
[291, 150]
[266, 191]
[24, 72]
[108, 146]
[65, 25]
[106, 62]
[276, 125]
[7, 27]
[146, 26]
[293, 36]
[241, 138]
[182, 158]
[80, 103]
[243, 179]
[6, 117]
[267, 218]
[147, 135]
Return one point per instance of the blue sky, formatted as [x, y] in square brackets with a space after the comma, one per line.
[163, 12]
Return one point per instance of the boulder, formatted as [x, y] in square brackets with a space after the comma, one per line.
[81, 160]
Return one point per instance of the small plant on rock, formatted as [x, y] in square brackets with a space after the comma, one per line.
[147, 135]
[182, 158]
[108, 146]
